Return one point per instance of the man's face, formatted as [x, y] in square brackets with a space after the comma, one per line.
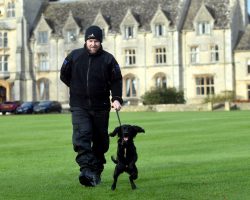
[93, 45]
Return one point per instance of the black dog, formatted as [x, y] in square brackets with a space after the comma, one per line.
[126, 153]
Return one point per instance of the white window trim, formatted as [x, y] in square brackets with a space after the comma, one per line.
[203, 28]
[3, 63]
[43, 37]
[194, 54]
[160, 56]
[130, 57]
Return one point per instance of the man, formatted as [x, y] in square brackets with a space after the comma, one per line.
[91, 74]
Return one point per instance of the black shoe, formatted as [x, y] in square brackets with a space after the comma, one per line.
[88, 178]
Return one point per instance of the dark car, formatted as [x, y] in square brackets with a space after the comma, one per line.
[9, 106]
[26, 107]
[47, 107]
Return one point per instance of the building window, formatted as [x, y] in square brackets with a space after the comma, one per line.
[131, 87]
[130, 58]
[3, 63]
[11, 9]
[43, 37]
[129, 32]
[204, 28]
[215, 53]
[161, 82]
[159, 30]
[204, 85]
[43, 87]
[3, 39]
[248, 92]
[71, 35]
[194, 51]
[43, 62]
[248, 66]
[160, 55]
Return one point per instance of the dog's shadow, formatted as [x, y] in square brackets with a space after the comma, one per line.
[126, 153]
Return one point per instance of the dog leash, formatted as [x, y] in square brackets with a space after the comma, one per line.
[118, 118]
[125, 150]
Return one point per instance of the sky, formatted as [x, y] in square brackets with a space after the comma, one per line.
[248, 6]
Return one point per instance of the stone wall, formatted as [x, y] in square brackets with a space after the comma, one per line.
[180, 107]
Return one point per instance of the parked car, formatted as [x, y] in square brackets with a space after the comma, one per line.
[47, 107]
[26, 107]
[9, 106]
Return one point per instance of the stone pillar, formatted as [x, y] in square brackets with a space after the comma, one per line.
[227, 106]
[210, 106]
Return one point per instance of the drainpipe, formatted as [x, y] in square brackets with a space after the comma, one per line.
[224, 55]
[145, 61]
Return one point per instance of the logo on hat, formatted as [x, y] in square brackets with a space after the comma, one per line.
[91, 36]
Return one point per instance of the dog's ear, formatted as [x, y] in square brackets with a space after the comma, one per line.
[115, 131]
[138, 129]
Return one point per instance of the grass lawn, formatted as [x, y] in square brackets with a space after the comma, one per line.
[182, 155]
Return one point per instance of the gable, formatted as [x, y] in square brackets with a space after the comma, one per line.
[203, 15]
[129, 19]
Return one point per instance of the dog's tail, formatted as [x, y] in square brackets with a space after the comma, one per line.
[114, 160]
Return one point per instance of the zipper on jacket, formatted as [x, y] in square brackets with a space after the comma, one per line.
[88, 95]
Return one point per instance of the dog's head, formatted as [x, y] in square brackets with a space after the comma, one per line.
[127, 132]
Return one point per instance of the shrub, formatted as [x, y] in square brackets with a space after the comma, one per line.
[163, 96]
[221, 98]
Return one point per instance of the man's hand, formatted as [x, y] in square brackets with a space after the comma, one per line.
[116, 105]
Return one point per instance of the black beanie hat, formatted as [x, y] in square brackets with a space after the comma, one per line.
[93, 32]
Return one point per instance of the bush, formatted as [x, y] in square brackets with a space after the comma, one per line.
[163, 96]
[221, 98]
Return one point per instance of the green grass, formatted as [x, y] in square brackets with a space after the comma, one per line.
[182, 155]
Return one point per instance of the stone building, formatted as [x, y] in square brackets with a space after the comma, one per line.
[198, 46]
[16, 78]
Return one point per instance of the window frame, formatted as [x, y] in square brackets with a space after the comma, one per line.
[194, 54]
[43, 37]
[129, 32]
[248, 66]
[215, 55]
[160, 81]
[248, 91]
[43, 62]
[11, 9]
[204, 85]
[3, 39]
[160, 55]
[159, 30]
[131, 87]
[71, 35]
[43, 92]
[4, 63]
[203, 28]
[130, 57]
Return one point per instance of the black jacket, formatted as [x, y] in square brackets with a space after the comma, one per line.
[91, 78]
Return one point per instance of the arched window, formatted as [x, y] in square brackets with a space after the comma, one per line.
[131, 87]
[43, 89]
[161, 81]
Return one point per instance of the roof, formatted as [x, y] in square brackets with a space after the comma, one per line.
[113, 11]
[219, 9]
[244, 42]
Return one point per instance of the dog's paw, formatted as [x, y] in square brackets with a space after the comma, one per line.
[113, 187]
[133, 186]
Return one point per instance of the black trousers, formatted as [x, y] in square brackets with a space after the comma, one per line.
[90, 137]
